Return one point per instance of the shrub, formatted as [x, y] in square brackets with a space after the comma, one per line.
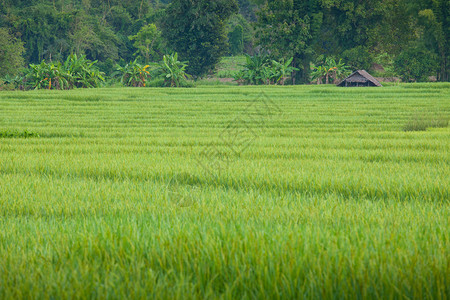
[358, 58]
[236, 40]
[416, 64]
[11, 50]
[170, 72]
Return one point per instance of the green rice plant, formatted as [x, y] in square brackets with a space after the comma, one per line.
[126, 193]
[422, 123]
[17, 134]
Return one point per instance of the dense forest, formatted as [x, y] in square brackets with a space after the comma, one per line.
[404, 38]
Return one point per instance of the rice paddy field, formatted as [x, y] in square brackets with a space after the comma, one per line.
[309, 192]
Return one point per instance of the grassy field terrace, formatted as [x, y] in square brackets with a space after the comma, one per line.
[305, 192]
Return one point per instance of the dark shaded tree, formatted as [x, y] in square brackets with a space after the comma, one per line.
[416, 64]
[236, 38]
[196, 30]
[289, 28]
[11, 50]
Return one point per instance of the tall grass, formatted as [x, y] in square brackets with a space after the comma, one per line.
[331, 199]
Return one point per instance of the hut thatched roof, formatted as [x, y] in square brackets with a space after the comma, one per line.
[360, 76]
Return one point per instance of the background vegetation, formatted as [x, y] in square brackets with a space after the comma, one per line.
[411, 36]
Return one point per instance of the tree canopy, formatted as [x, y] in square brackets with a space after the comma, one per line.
[11, 50]
[361, 33]
[196, 30]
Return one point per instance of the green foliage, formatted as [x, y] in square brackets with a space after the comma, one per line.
[8, 134]
[173, 71]
[149, 43]
[328, 69]
[387, 62]
[416, 64]
[11, 50]
[406, 24]
[170, 72]
[248, 34]
[76, 72]
[83, 72]
[288, 28]
[196, 30]
[260, 69]
[133, 74]
[358, 58]
[356, 31]
[282, 70]
[47, 76]
[348, 24]
[256, 70]
[236, 40]
[54, 29]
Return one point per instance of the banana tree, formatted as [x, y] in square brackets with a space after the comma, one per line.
[133, 74]
[318, 74]
[282, 70]
[329, 69]
[83, 71]
[48, 76]
[172, 70]
[341, 71]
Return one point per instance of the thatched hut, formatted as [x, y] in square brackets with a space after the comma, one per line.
[359, 78]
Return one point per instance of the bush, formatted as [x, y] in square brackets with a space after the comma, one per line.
[416, 64]
[82, 72]
[236, 40]
[11, 50]
[358, 58]
[6, 86]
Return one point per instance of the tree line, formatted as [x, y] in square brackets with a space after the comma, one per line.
[398, 37]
